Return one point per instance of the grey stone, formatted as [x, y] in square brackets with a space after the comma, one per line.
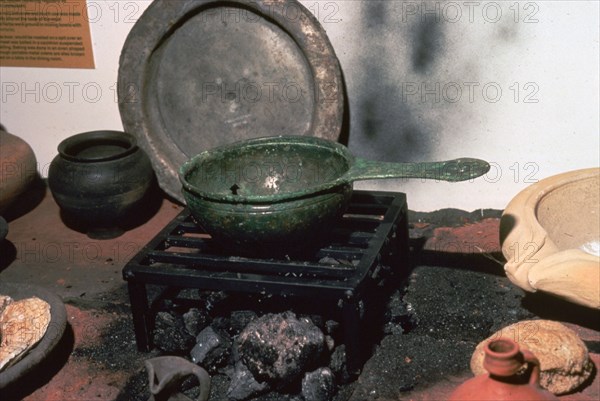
[338, 366]
[243, 384]
[331, 327]
[330, 343]
[195, 321]
[212, 349]
[318, 385]
[170, 334]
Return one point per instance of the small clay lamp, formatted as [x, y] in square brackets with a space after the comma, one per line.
[504, 380]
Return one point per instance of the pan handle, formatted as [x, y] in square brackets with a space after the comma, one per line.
[455, 170]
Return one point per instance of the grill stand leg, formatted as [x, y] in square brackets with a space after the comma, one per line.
[352, 334]
[139, 309]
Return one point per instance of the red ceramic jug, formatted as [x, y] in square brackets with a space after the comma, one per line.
[503, 360]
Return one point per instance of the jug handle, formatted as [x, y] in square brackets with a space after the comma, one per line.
[530, 358]
[165, 371]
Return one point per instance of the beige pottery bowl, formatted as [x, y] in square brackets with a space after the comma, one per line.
[550, 234]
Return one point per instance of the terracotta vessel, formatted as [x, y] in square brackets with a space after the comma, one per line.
[565, 363]
[18, 168]
[504, 361]
[550, 234]
[99, 179]
[166, 373]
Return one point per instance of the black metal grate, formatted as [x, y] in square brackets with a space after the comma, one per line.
[370, 240]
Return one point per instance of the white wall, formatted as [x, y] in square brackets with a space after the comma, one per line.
[548, 53]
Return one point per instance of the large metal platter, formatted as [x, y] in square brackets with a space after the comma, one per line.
[196, 74]
[56, 328]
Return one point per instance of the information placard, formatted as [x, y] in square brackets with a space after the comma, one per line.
[53, 33]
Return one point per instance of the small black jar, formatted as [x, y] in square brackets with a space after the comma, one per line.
[100, 180]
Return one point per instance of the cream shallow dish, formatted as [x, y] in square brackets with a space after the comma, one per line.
[550, 233]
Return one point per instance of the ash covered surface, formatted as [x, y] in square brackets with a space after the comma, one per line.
[445, 307]
[115, 350]
[461, 305]
[449, 312]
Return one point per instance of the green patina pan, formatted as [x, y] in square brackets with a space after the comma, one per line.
[279, 192]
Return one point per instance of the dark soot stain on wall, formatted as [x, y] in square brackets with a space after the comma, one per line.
[427, 38]
[385, 125]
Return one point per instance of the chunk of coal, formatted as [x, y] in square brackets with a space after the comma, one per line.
[221, 323]
[279, 348]
[195, 321]
[396, 309]
[398, 319]
[214, 299]
[189, 293]
[170, 334]
[318, 385]
[239, 320]
[191, 387]
[329, 343]
[338, 365]
[327, 260]
[331, 327]
[317, 320]
[212, 349]
[243, 384]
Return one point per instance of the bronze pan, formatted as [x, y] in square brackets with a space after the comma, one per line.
[277, 192]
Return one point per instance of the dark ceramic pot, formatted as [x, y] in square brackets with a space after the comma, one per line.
[100, 179]
[3, 228]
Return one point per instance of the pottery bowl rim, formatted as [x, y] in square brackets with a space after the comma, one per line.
[534, 261]
[70, 147]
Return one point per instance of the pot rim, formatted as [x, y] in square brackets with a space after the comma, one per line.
[502, 348]
[70, 146]
[291, 140]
